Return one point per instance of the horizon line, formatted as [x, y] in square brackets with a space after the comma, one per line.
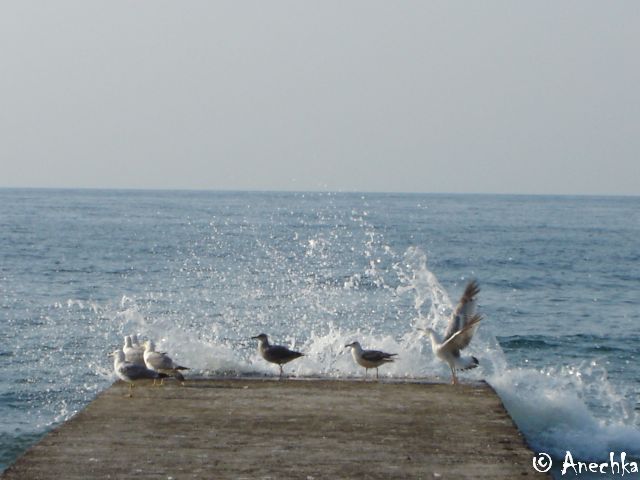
[313, 191]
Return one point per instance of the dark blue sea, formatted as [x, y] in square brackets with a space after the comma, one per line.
[201, 272]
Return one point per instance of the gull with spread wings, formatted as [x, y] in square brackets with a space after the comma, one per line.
[462, 325]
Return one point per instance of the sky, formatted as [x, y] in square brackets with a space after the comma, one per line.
[536, 97]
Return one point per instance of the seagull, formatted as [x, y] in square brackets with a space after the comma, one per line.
[161, 362]
[462, 325]
[129, 372]
[133, 353]
[369, 358]
[275, 353]
[135, 342]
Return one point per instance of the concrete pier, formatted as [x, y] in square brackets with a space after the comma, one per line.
[290, 429]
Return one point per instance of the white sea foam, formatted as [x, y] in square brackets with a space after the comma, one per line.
[555, 418]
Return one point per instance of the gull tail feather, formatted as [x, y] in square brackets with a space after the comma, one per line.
[467, 363]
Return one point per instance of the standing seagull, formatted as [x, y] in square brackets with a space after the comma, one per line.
[161, 362]
[135, 342]
[129, 372]
[133, 352]
[462, 325]
[369, 358]
[275, 353]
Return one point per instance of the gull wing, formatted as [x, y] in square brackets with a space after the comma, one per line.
[377, 355]
[277, 353]
[135, 372]
[160, 361]
[461, 339]
[464, 311]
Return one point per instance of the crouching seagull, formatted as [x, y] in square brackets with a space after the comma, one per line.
[462, 325]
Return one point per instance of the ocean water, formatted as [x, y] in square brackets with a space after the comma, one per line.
[202, 272]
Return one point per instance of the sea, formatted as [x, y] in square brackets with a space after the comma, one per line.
[201, 272]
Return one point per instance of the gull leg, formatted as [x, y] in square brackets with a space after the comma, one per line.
[280, 371]
[366, 370]
[454, 378]
[130, 389]
[376, 373]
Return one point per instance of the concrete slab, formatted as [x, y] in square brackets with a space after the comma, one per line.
[291, 429]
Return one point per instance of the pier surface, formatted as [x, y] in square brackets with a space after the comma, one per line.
[291, 429]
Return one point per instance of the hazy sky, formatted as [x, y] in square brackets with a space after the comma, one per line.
[467, 96]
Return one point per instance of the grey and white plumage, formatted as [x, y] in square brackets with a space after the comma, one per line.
[161, 362]
[130, 372]
[369, 358]
[135, 342]
[275, 353]
[460, 330]
[133, 353]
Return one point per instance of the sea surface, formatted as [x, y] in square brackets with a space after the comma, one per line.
[202, 272]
